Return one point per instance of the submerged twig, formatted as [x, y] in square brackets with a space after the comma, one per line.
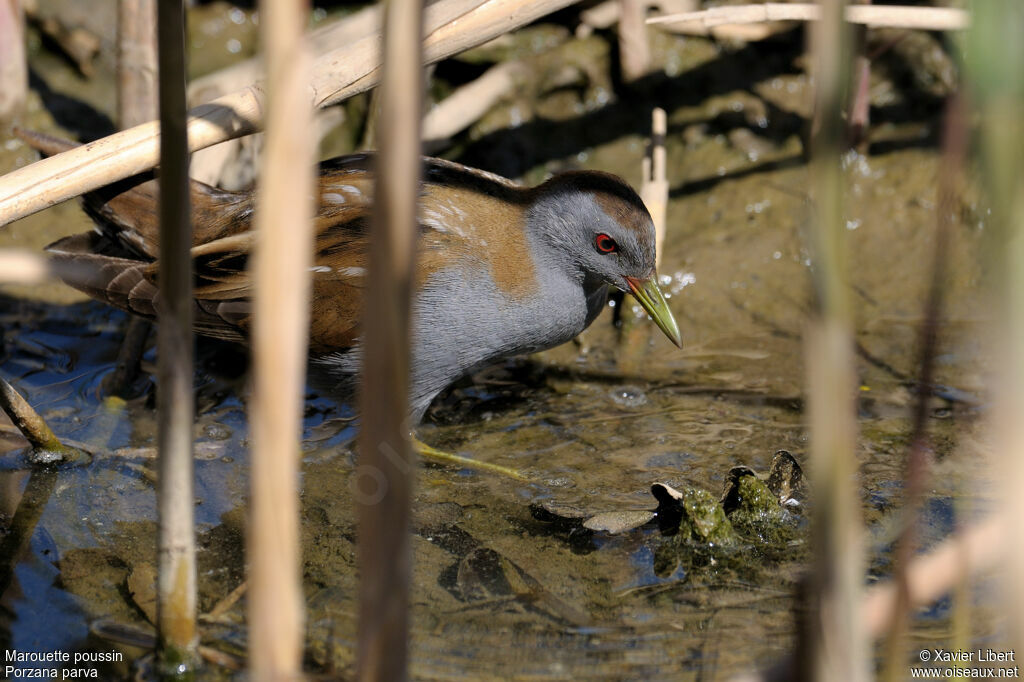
[46, 447]
[30, 508]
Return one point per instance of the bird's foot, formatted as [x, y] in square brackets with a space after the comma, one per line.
[443, 457]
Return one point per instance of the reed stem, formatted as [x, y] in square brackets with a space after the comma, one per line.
[837, 644]
[176, 582]
[385, 451]
[283, 255]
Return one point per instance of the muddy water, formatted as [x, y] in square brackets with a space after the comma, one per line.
[500, 589]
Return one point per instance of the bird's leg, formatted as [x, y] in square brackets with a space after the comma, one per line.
[443, 457]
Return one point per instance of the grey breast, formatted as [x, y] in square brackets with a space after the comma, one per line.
[462, 322]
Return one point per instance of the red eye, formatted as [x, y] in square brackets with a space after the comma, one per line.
[605, 244]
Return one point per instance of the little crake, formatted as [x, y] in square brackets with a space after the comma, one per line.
[502, 269]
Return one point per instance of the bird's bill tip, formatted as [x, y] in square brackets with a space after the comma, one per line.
[650, 297]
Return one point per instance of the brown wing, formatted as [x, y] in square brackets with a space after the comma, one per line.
[339, 262]
[342, 254]
[119, 263]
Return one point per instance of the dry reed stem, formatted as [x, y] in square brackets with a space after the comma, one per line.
[346, 71]
[634, 52]
[13, 65]
[926, 18]
[386, 457]
[976, 549]
[136, 103]
[471, 101]
[283, 255]
[176, 575]
[654, 190]
[136, 62]
[750, 33]
[23, 267]
[600, 16]
[606, 14]
[351, 29]
[213, 165]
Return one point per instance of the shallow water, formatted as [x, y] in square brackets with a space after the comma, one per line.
[499, 592]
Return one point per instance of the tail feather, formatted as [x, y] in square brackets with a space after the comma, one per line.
[121, 282]
[130, 284]
[118, 262]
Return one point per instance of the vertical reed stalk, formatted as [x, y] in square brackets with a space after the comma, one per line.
[385, 457]
[136, 104]
[837, 646]
[634, 52]
[284, 227]
[136, 62]
[176, 584]
[654, 188]
[995, 61]
[13, 66]
[860, 92]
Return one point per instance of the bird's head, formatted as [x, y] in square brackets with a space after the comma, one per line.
[600, 227]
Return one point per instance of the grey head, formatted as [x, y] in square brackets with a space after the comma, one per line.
[596, 227]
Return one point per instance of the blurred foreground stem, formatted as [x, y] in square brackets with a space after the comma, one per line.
[834, 638]
[995, 66]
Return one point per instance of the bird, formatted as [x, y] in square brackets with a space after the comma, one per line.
[502, 269]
